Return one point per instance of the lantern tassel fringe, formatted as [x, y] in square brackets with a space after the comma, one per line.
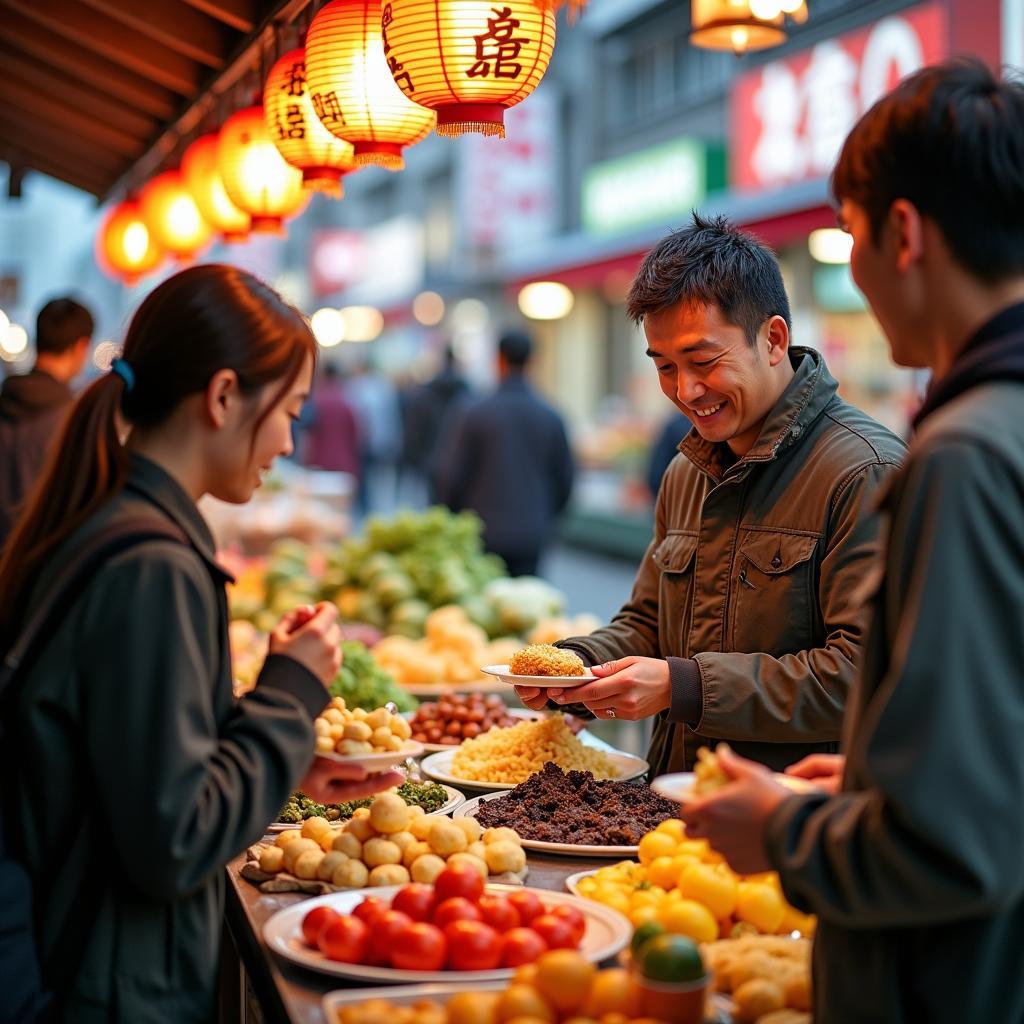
[454, 129]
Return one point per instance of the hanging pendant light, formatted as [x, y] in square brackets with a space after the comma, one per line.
[202, 179]
[258, 180]
[468, 60]
[297, 132]
[125, 246]
[743, 25]
[351, 88]
[173, 216]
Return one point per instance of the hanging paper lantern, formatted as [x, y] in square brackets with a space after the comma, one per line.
[173, 217]
[125, 247]
[202, 179]
[257, 178]
[468, 60]
[741, 25]
[351, 88]
[296, 130]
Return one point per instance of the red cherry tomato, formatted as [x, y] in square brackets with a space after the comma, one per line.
[472, 946]
[382, 937]
[420, 947]
[528, 904]
[415, 900]
[574, 918]
[344, 940]
[498, 912]
[455, 909]
[459, 880]
[555, 931]
[370, 909]
[315, 922]
[521, 946]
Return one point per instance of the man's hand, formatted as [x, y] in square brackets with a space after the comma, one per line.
[733, 819]
[822, 770]
[630, 688]
[330, 782]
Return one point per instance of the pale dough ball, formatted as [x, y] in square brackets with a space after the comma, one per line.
[388, 874]
[505, 856]
[755, 998]
[415, 811]
[414, 852]
[293, 850]
[381, 737]
[425, 869]
[272, 859]
[471, 827]
[361, 828]
[798, 990]
[359, 731]
[478, 849]
[389, 813]
[377, 852]
[312, 827]
[379, 719]
[347, 844]
[289, 836]
[308, 863]
[353, 874]
[446, 838]
[352, 748]
[327, 866]
[324, 744]
[403, 840]
[501, 835]
[477, 863]
[401, 728]
[420, 826]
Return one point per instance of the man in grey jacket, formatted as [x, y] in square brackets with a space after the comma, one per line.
[915, 866]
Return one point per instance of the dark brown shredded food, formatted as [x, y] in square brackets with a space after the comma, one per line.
[553, 806]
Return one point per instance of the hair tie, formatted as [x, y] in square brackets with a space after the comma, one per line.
[125, 372]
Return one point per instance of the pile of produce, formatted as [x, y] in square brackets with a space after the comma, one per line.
[451, 924]
[428, 795]
[764, 974]
[351, 733]
[457, 717]
[362, 682]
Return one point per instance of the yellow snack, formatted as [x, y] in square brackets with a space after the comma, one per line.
[757, 997]
[307, 863]
[500, 834]
[426, 868]
[388, 874]
[347, 844]
[403, 840]
[361, 828]
[330, 862]
[286, 837]
[389, 813]
[420, 826]
[272, 859]
[708, 774]
[467, 858]
[446, 838]
[312, 827]
[293, 851]
[471, 827]
[505, 856]
[353, 874]
[378, 851]
[546, 660]
[418, 849]
[477, 849]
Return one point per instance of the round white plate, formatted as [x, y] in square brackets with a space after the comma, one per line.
[678, 786]
[377, 762]
[541, 682]
[470, 807]
[439, 768]
[607, 932]
[524, 713]
[455, 800]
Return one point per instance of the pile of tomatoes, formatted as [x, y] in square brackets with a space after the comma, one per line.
[452, 924]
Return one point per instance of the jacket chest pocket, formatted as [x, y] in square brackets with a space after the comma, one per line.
[774, 607]
[674, 558]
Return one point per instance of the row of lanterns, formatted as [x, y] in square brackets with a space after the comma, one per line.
[373, 78]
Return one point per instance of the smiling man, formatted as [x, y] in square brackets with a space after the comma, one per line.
[743, 623]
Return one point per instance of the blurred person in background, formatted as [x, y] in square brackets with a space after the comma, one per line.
[33, 405]
[507, 457]
[744, 622]
[375, 401]
[915, 866]
[331, 429]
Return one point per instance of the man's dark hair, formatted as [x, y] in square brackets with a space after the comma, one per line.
[950, 140]
[61, 322]
[515, 348]
[711, 262]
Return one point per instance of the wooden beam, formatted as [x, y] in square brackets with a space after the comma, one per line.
[172, 24]
[29, 37]
[239, 14]
[110, 39]
[17, 125]
[56, 85]
[60, 116]
[47, 165]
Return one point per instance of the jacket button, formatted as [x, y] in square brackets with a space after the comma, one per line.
[797, 430]
[776, 562]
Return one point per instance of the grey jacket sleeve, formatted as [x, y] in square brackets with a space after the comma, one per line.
[934, 831]
[454, 462]
[181, 793]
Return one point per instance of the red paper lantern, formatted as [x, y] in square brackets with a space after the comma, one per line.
[125, 246]
[202, 179]
[173, 216]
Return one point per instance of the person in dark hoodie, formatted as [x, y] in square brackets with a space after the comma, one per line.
[32, 405]
[912, 853]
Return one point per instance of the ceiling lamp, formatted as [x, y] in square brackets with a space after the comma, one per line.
[351, 88]
[202, 179]
[468, 60]
[296, 130]
[258, 180]
[125, 247]
[172, 215]
[743, 25]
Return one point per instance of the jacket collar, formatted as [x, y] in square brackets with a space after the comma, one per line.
[159, 488]
[994, 352]
[806, 397]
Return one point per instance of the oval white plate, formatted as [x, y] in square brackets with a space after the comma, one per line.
[439, 768]
[541, 682]
[678, 786]
[432, 748]
[381, 761]
[607, 933]
[469, 809]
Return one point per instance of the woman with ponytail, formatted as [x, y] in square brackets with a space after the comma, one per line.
[132, 775]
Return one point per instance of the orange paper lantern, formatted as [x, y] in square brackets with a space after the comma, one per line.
[202, 179]
[173, 216]
[351, 88]
[296, 130]
[258, 180]
[125, 247]
[468, 60]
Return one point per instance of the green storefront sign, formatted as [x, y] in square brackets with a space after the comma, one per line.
[660, 184]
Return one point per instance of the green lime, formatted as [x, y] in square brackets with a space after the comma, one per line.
[672, 958]
[644, 933]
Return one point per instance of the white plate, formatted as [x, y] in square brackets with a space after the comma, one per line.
[381, 761]
[679, 785]
[469, 809]
[439, 768]
[541, 682]
[455, 800]
[524, 713]
[607, 932]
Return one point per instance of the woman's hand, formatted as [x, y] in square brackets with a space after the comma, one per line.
[822, 770]
[330, 782]
[533, 697]
[313, 638]
[630, 688]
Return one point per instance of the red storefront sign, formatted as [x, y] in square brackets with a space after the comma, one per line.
[789, 117]
[335, 260]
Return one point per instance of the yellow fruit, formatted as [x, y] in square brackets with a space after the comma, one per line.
[656, 844]
[614, 1018]
[794, 921]
[564, 978]
[522, 1001]
[663, 872]
[646, 898]
[525, 974]
[472, 1008]
[641, 915]
[674, 828]
[688, 917]
[709, 885]
[760, 905]
[617, 901]
[612, 992]
[587, 886]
